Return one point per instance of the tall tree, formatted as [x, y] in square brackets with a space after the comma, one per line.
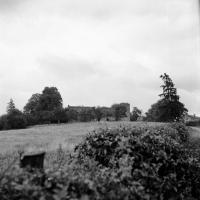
[11, 106]
[14, 119]
[33, 104]
[169, 108]
[169, 91]
[50, 99]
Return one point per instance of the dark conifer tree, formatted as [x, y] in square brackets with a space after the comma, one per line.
[11, 106]
[168, 108]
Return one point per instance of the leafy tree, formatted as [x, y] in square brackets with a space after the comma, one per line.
[45, 117]
[33, 104]
[16, 119]
[4, 122]
[45, 107]
[11, 106]
[158, 112]
[32, 119]
[106, 112]
[169, 108]
[135, 114]
[60, 115]
[50, 99]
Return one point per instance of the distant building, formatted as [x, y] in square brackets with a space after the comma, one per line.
[80, 108]
[107, 111]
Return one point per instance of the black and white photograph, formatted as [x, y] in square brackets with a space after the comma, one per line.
[100, 100]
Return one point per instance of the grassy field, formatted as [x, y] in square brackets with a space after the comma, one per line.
[49, 137]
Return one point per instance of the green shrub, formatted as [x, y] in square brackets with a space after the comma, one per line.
[13, 120]
[154, 158]
[182, 131]
[4, 125]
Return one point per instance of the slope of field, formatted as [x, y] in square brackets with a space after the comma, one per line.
[195, 132]
[49, 137]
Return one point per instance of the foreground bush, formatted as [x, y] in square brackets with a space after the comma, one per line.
[139, 163]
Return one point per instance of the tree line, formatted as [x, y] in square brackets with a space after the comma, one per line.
[47, 107]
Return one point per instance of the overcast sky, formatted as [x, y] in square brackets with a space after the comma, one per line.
[99, 52]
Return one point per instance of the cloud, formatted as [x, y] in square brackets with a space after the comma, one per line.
[189, 83]
[98, 52]
[69, 68]
[102, 9]
[10, 5]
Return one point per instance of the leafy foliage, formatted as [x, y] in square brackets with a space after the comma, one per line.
[33, 104]
[153, 159]
[14, 119]
[4, 123]
[60, 116]
[50, 99]
[169, 108]
[136, 113]
[45, 107]
[165, 111]
[169, 91]
[11, 106]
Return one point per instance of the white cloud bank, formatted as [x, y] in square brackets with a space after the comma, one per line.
[98, 52]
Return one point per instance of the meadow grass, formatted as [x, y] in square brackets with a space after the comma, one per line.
[49, 137]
